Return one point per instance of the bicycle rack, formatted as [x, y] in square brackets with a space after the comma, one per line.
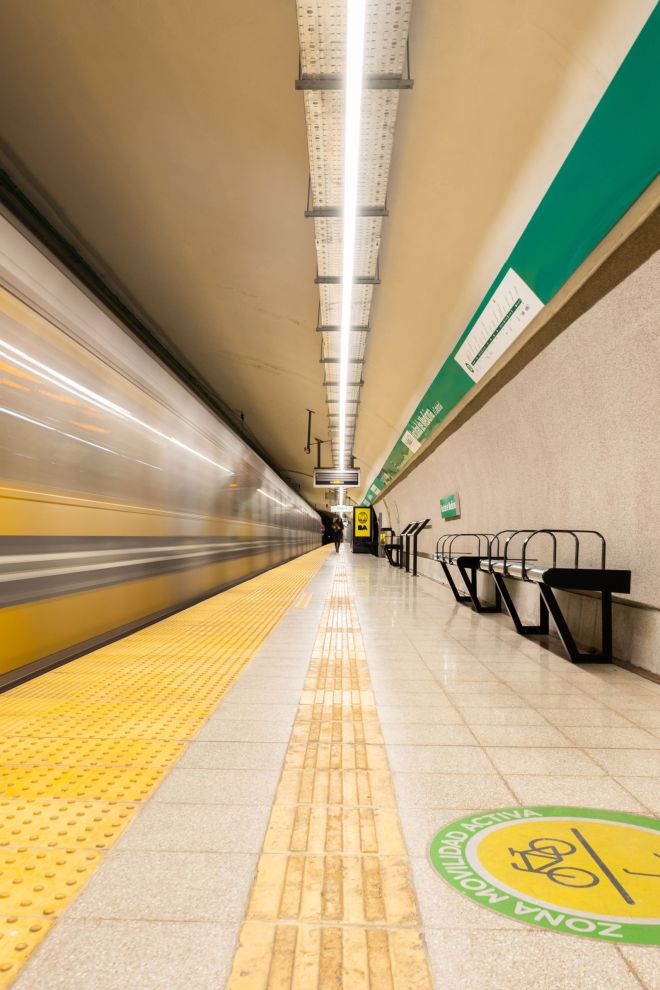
[468, 564]
[543, 626]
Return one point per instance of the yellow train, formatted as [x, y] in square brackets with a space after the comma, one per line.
[122, 497]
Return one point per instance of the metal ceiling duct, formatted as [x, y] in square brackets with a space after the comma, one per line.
[322, 39]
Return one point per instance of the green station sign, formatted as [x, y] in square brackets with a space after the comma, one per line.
[578, 871]
[450, 507]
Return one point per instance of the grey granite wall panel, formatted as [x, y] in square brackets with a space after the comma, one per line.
[571, 441]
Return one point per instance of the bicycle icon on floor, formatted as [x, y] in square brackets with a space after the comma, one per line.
[546, 856]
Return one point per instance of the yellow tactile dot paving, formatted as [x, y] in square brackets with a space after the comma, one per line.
[116, 728]
[42, 881]
[88, 752]
[18, 937]
[112, 784]
[333, 903]
[71, 824]
[83, 745]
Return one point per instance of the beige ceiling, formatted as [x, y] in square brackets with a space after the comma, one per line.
[165, 137]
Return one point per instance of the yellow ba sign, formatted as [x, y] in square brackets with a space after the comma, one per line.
[362, 519]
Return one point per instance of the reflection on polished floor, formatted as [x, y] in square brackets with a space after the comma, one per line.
[476, 718]
[288, 847]
[81, 747]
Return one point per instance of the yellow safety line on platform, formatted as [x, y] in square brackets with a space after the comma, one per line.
[333, 903]
[83, 745]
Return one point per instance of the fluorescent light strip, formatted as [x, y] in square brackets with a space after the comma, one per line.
[355, 26]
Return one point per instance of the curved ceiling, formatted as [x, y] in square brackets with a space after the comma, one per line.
[166, 140]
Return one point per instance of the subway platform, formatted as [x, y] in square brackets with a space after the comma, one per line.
[247, 794]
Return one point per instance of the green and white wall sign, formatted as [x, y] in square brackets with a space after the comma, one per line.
[450, 507]
[615, 158]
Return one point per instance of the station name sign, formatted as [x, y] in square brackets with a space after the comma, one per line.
[450, 507]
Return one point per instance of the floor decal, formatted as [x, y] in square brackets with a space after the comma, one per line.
[580, 871]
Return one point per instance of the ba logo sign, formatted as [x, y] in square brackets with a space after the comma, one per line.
[362, 522]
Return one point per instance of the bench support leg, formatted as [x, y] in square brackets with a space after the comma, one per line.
[566, 636]
[606, 624]
[462, 599]
[471, 585]
[543, 625]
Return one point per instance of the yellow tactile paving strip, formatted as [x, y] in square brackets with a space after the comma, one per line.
[333, 903]
[83, 745]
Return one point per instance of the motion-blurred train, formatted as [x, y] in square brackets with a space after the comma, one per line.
[122, 496]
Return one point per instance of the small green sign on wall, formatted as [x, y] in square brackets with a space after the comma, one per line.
[450, 507]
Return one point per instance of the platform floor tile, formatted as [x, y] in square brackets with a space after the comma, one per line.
[333, 903]
[475, 718]
[83, 746]
[288, 848]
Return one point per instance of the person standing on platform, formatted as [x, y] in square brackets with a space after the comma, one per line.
[337, 532]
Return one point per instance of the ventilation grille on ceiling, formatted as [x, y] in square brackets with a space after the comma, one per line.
[322, 36]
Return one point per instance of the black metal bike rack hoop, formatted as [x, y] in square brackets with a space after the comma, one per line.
[601, 580]
[506, 555]
[467, 559]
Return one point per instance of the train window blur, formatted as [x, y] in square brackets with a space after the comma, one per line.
[121, 494]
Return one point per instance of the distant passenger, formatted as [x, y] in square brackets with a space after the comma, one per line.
[337, 532]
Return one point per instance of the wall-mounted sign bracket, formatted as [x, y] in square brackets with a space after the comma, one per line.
[318, 442]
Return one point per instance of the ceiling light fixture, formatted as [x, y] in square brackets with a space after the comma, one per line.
[355, 26]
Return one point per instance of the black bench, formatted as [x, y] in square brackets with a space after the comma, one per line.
[508, 556]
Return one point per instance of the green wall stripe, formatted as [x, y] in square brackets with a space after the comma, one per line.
[614, 159]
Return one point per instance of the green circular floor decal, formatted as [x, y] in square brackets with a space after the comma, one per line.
[580, 871]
